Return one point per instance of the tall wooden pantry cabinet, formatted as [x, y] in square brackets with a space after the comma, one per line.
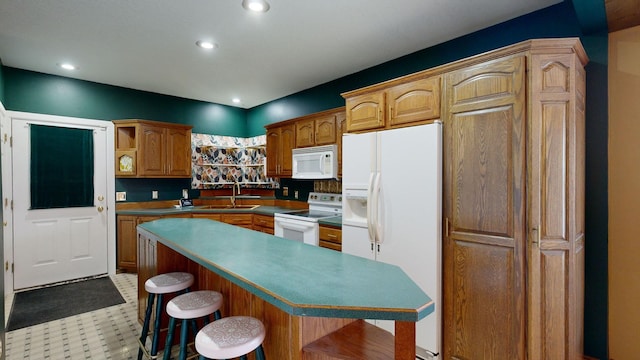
[513, 194]
[513, 203]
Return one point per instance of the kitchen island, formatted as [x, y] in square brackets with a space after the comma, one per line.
[302, 293]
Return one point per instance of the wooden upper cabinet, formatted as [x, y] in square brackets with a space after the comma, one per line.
[408, 103]
[178, 155]
[414, 101]
[325, 128]
[280, 142]
[305, 133]
[152, 149]
[315, 131]
[310, 130]
[365, 112]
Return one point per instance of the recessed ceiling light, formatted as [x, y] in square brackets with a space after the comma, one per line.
[67, 66]
[236, 100]
[256, 5]
[206, 44]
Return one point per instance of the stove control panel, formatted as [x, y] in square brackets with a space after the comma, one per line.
[324, 198]
[325, 202]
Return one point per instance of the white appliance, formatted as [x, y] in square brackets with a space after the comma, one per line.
[318, 162]
[392, 211]
[303, 225]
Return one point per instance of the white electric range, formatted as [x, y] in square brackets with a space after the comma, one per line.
[303, 225]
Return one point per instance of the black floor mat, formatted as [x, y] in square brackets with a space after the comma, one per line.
[38, 306]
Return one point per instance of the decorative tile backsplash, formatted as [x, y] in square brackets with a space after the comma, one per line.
[219, 161]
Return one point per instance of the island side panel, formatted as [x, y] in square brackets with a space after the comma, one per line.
[286, 334]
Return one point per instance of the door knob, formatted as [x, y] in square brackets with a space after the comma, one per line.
[100, 208]
[100, 198]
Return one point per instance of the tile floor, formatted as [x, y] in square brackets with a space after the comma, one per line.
[108, 333]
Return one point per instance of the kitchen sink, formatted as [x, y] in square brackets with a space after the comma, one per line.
[228, 207]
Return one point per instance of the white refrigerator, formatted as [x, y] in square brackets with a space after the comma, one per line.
[392, 210]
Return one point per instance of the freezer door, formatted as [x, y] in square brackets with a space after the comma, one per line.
[358, 165]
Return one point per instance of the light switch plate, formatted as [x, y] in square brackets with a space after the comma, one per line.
[154, 194]
[185, 193]
[121, 196]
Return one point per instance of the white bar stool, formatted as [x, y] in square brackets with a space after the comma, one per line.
[159, 285]
[189, 307]
[231, 337]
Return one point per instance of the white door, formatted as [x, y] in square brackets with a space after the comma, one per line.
[58, 244]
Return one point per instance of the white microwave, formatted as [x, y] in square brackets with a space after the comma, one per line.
[318, 162]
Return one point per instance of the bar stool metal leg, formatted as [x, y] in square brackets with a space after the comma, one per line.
[156, 328]
[145, 326]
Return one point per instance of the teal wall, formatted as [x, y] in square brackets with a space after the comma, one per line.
[34, 92]
[56, 95]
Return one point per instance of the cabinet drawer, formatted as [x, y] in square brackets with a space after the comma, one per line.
[237, 219]
[331, 234]
[217, 217]
[263, 221]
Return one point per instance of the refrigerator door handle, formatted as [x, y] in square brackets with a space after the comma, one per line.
[378, 230]
[370, 206]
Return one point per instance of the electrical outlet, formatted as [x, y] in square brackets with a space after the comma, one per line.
[285, 191]
[185, 193]
[295, 194]
[154, 194]
[121, 195]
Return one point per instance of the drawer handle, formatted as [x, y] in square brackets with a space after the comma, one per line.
[333, 236]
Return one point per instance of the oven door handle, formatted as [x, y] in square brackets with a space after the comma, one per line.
[285, 225]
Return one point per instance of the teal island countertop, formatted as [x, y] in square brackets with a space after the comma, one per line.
[299, 279]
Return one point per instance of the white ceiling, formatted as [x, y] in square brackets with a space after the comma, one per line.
[150, 44]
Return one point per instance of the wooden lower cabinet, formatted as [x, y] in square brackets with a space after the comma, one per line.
[263, 223]
[330, 237]
[127, 255]
[286, 334]
[242, 220]
[513, 205]
[126, 247]
[216, 217]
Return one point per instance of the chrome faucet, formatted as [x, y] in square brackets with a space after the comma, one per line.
[236, 184]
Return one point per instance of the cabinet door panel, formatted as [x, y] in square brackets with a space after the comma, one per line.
[484, 201]
[287, 143]
[152, 151]
[127, 243]
[178, 152]
[325, 129]
[273, 152]
[305, 130]
[486, 272]
[414, 101]
[556, 259]
[365, 112]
